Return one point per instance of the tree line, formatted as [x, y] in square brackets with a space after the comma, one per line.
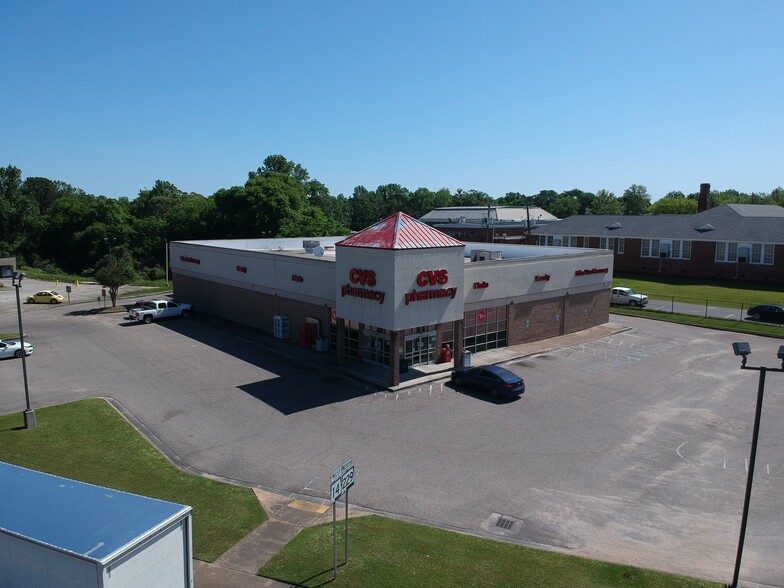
[54, 226]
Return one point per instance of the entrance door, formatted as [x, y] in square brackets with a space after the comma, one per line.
[420, 349]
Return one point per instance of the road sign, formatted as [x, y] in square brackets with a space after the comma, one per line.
[341, 480]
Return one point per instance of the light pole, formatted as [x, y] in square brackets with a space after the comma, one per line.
[744, 349]
[29, 413]
[109, 243]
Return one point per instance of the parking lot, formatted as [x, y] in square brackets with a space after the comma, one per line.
[85, 292]
[630, 448]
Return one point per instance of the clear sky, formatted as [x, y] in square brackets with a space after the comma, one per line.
[500, 97]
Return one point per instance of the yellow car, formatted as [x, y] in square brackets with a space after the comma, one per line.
[45, 297]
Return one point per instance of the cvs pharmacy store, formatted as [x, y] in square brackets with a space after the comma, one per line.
[397, 294]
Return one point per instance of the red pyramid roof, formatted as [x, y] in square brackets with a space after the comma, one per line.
[400, 231]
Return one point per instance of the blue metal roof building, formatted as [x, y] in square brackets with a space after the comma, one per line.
[60, 532]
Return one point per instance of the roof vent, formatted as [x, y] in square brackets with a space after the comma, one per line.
[705, 228]
[614, 225]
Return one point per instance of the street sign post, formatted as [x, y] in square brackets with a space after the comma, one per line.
[340, 481]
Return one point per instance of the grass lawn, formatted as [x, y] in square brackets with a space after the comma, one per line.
[386, 552]
[695, 291]
[717, 293]
[89, 441]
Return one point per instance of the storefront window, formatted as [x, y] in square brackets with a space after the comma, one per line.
[351, 339]
[375, 347]
[485, 329]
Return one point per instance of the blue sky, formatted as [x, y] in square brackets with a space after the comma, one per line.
[494, 96]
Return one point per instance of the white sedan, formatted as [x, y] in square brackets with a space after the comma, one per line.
[13, 349]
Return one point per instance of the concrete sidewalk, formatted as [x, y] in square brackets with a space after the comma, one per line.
[289, 515]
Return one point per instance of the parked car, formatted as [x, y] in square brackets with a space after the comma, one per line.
[628, 297]
[489, 378]
[158, 309]
[13, 348]
[45, 297]
[770, 313]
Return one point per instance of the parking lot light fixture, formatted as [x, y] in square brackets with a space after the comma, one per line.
[744, 349]
[29, 413]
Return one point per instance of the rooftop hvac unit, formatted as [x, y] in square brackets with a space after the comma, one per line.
[309, 245]
[484, 255]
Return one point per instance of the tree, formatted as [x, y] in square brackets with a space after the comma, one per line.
[190, 218]
[15, 206]
[471, 198]
[636, 200]
[423, 201]
[311, 222]
[512, 199]
[281, 165]
[366, 208]
[45, 192]
[584, 199]
[565, 206]
[674, 203]
[777, 196]
[394, 198]
[545, 199]
[605, 203]
[114, 272]
[157, 201]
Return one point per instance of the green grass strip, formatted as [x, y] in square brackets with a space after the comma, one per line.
[751, 328]
[90, 442]
[395, 554]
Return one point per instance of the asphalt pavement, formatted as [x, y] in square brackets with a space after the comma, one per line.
[600, 458]
[289, 514]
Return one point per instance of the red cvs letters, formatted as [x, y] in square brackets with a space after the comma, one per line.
[363, 277]
[432, 277]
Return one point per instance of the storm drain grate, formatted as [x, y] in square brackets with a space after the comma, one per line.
[504, 523]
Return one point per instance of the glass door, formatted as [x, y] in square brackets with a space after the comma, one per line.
[420, 349]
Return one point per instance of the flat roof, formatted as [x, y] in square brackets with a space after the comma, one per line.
[90, 521]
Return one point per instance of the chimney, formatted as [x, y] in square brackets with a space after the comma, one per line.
[703, 203]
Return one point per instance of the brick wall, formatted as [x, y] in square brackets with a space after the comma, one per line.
[557, 316]
[255, 309]
[701, 265]
[546, 318]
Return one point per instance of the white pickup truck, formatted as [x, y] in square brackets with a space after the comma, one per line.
[628, 297]
[158, 309]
